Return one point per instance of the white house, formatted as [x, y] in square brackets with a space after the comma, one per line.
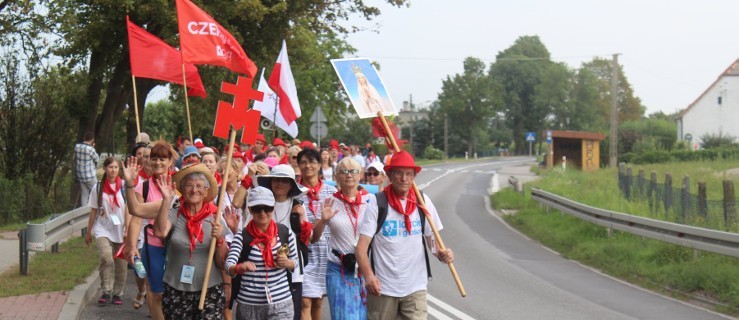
[715, 111]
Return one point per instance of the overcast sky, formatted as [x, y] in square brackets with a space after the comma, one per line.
[671, 51]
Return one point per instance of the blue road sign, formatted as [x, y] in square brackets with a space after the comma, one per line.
[530, 136]
[549, 136]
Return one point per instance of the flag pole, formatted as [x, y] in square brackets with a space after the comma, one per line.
[429, 219]
[221, 195]
[187, 100]
[135, 103]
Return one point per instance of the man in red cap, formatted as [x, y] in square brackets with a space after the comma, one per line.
[397, 233]
[256, 149]
[280, 144]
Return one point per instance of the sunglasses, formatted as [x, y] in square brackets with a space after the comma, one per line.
[261, 209]
[370, 173]
[348, 171]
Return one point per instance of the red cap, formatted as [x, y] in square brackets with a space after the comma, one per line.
[238, 154]
[333, 142]
[260, 137]
[306, 144]
[402, 159]
[199, 144]
[278, 142]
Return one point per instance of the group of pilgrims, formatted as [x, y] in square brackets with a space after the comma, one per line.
[296, 226]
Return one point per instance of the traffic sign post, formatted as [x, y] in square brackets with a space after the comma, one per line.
[530, 138]
[318, 129]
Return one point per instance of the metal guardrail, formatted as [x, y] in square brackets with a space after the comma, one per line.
[721, 242]
[41, 236]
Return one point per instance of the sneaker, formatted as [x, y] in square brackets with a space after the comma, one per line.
[104, 298]
[117, 300]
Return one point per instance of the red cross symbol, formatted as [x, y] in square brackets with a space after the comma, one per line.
[238, 115]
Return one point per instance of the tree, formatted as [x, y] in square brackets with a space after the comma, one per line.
[629, 106]
[519, 70]
[93, 38]
[468, 99]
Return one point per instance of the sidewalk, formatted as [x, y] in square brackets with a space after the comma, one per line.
[46, 305]
[9, 248]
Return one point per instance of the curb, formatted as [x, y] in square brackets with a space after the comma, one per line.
[81, 296]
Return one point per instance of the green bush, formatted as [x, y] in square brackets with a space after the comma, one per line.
[432, 153]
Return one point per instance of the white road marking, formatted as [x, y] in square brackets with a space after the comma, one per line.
[436, 314]
[456, 312]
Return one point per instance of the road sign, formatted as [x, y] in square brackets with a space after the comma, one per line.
[549, 136]
[318, 130]
[530, 136]
[318, 116]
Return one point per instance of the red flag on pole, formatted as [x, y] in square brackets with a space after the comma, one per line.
[204, 41]
[281, 81]
[155, 59]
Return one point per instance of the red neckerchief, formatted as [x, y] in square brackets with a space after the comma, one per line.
[313, 195]
[393, 200]
[371, 159]
[353, 206]
[285, 159]
[265, 238]
[195, 223]
[108, 190]
[218, 178]
[142, 174]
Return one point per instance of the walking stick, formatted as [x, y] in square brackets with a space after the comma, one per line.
[212, 251]
[389, 136]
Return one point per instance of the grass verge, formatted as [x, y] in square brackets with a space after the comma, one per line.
[48, 272]
[648, 263]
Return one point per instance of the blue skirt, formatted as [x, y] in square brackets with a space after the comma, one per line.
[344, 294]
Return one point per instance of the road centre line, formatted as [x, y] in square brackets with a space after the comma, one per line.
[437, 314]
[456, 312]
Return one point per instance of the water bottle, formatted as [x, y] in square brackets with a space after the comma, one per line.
[139, 267]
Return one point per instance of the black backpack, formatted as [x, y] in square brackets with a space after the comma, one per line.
[382, 208]
[284, 235]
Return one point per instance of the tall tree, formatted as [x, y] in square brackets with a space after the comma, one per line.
[93, 38]
[468, 99]
[519, 71]
[629, 106]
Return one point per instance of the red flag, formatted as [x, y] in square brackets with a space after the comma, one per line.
[204, 41]
[281, 81]
[153, 58]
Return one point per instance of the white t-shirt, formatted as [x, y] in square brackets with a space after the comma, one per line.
[108, 224]
[344, 237]
[398, 257]
[328, 174]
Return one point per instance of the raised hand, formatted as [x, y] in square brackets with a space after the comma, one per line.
[232, 218]
[327, 212]
[130, 170]
[166, 186]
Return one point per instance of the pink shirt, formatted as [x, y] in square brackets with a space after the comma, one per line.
[154, 195]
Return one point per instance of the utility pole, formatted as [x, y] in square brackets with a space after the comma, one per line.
[413, 119]
[446, 140]
[613, 146]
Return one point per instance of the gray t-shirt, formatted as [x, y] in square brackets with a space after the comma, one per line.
[178, 255]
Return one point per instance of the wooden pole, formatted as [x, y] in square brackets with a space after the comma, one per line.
[187, 101]
[136, 104]
[429, 219]
[221, 196]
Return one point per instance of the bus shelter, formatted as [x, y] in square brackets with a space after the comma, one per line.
[574, 149]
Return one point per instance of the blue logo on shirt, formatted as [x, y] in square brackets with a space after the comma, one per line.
[390, 228]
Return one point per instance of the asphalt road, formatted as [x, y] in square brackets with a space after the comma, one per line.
[506, 275]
